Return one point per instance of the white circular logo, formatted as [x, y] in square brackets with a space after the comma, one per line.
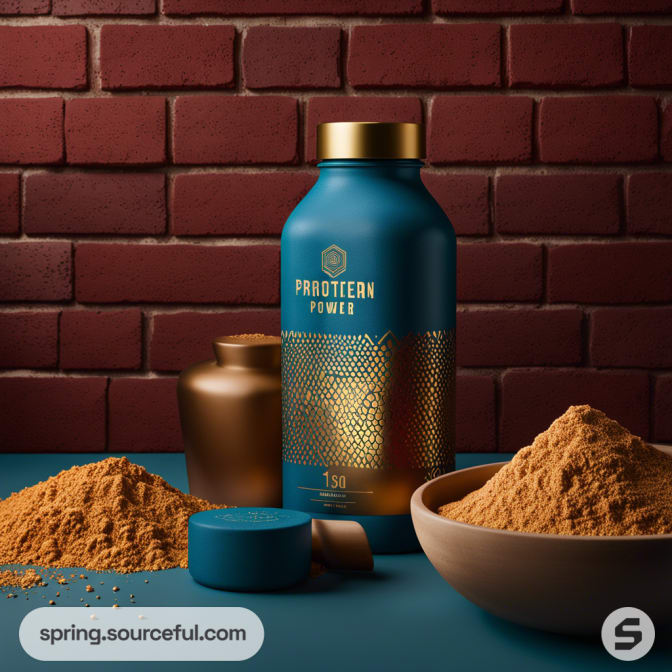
[628, 633]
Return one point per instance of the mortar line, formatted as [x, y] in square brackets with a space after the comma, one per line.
[108, 383]
[224, 240]
[303, 168]
[316, 20]
[348, 91]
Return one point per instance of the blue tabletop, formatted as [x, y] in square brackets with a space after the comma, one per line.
[403, 616]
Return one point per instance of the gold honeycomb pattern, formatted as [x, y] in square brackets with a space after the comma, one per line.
[358, 401]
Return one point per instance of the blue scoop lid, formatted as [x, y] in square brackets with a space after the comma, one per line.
[249, 548]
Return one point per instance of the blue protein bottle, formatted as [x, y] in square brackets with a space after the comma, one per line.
[368, 334]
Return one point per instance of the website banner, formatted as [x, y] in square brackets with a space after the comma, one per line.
[147, 633]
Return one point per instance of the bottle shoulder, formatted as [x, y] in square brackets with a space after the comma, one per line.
[207, 378]
[366, 207]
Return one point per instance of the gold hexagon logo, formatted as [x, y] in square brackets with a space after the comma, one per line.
[334, 260]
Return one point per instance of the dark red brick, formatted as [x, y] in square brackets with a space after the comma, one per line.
[496, 7]
[621, 6]
[648, 199]
[235, 203]
[565, 55]
[532, 398]
[650, 55]
[103, 7]
[116, 131]
[464, 198]
[31, 130]
[662, 409]
[144, 416]
[35, 271]
[93, 203]
[558, 204]
[94, 339]
[425, 55]
[18, 7]
[9, 202]
[292, 57]
[615, 273]
[480, 129]
[598, 129]
[51, 415]
[43, 57]
[180, 339]
[631, 337]
[519, 337]
[270, 7]
[499, 272]
[475, 424]
[235, 129]
[166, 57]
[365, 108]
[117, 273]
[28, 340]
[666, 133]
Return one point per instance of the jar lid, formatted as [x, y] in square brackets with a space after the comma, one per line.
[249, 548]
[370, 140]
[248, 350]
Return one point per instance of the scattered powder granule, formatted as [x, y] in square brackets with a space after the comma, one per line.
[585, 475]
[108, 515]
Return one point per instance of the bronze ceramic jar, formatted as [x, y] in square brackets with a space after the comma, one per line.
[230, 410]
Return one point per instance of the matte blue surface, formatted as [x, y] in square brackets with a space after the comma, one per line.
[401, 617]
[394, 233]
[230, 548]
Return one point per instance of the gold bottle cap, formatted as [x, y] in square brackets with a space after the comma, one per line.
[370, 140]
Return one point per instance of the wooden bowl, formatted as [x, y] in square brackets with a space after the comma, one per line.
[560, 583]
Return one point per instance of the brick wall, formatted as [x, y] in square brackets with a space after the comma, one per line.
[150, 153]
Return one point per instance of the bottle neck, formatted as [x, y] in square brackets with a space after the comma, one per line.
[388, 169]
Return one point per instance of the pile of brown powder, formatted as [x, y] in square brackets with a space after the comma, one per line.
[251, 339]
[584, 475]
[18, 578]
[108, 515]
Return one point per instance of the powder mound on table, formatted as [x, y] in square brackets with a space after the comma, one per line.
[19, 578]
[585, 475]
[108, 515]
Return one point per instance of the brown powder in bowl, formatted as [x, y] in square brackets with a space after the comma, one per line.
[108, 515]
[585, 475]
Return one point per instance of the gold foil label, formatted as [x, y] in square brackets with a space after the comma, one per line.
[377, 413]
[333, 297]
